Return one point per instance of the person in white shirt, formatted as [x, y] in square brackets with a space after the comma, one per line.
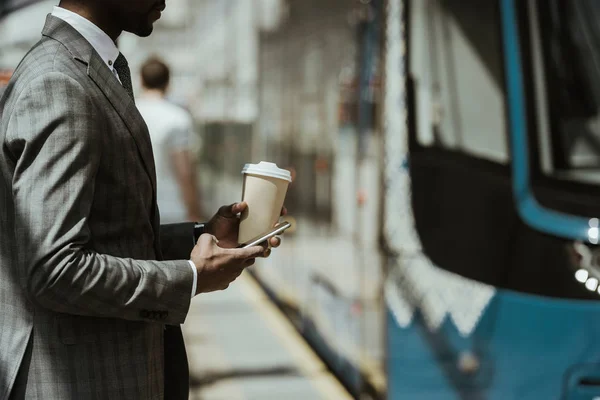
[172, 134]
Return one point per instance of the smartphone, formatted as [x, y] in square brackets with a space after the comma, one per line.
[277, 229]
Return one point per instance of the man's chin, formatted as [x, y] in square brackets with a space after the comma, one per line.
[143, 31]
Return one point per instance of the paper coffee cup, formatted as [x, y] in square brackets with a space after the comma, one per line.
[264, 190]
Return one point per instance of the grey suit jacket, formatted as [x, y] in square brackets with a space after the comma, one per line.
[79, 232]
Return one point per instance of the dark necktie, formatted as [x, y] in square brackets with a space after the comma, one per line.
[122, 68]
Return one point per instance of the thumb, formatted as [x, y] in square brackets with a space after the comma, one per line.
[232, 210]
[238, 207]
[207, 239]
[251, 252]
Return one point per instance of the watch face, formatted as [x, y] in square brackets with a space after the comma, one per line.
[199, 229]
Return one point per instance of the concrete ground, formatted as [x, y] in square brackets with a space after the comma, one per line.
[240, 347]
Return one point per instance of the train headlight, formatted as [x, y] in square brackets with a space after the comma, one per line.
[586, 261]
[582, 275]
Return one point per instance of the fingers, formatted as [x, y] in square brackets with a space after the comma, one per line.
[232, 210]
[250, 252]
[275, 241]
[239, 207]
[266, 250]
[207, 239]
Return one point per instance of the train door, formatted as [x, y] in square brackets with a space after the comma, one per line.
[489, 215]
[553, 86]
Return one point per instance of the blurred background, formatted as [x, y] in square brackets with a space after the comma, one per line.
[445, 195]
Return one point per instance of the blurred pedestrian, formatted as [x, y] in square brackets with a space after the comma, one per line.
[172, 132]
[85, 307]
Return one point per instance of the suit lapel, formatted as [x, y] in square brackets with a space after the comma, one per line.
[125, 107]
[98, 71]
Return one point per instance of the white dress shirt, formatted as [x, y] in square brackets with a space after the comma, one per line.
[108, 51]
[100, 41]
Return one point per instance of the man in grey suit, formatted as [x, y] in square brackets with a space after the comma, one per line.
[86, 307]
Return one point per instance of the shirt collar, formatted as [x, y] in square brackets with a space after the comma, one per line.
[100, 41]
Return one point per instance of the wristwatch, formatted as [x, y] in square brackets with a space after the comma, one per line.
[199, 229]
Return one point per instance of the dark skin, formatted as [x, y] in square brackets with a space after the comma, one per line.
[224, 225]
[215, 256]
[116, 16]
[217, 251]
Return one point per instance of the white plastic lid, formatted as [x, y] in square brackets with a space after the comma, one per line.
[267, 169]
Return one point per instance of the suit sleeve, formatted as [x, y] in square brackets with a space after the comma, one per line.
[53, 134]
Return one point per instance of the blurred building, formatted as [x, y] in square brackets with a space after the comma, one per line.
[212, 47]
[20, 29]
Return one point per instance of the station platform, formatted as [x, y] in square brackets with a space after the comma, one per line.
[241, 347]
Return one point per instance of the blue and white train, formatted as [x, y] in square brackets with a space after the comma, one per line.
[492, 188]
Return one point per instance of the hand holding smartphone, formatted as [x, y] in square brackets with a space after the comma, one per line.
[276, 230]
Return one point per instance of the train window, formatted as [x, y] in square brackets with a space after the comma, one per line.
[456, 65]
[566, 63]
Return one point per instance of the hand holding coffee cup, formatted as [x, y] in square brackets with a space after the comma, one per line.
[225, 225]
[264, 190]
